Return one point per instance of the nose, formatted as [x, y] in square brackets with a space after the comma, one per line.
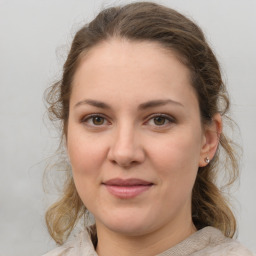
[126, 149]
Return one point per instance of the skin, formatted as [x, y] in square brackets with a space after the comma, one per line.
[126, 141]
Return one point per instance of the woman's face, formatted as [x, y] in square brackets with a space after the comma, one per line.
[135, 139]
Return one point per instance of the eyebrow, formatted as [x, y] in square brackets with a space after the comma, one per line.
[157, 103]
[142, 106]
[94, 103]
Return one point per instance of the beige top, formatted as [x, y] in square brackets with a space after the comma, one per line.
[208, 241]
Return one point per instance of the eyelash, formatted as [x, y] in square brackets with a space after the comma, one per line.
[90, 117]
[168, 118]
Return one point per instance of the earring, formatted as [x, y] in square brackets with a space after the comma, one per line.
[207, 160]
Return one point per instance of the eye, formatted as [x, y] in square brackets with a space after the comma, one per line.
[94, 120]
[98, 120]
[160, 120]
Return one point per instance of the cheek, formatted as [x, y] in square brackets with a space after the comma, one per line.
[86, 153]
[178, 149]
[176, 160]
[86, 156]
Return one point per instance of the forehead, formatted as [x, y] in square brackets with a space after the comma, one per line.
[140, 69]
[121, 52]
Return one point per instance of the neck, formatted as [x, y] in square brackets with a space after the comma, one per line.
[114, 244]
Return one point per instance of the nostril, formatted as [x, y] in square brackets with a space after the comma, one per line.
[124, 164]
[126, 151]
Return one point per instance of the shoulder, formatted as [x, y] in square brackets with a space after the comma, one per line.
[81, 245]
[60, 251]
[231, 248]
[219, 245]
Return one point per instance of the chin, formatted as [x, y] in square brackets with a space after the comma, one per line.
[127, 224]
[129, 229]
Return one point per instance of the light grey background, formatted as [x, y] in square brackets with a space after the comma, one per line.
[34, 38]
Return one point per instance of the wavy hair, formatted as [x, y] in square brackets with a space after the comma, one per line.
[146, 21]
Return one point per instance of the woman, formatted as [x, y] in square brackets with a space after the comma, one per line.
[141, 102]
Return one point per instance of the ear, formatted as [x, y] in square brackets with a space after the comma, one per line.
[210, 142]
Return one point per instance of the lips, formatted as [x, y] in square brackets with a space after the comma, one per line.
[127, 188]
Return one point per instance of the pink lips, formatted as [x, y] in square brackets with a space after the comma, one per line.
[128, 188]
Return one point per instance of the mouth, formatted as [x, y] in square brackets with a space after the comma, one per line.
[127, 188]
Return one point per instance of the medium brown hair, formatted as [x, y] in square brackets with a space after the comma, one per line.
[145, 21]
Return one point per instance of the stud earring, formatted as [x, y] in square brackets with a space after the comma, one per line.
[207, 160]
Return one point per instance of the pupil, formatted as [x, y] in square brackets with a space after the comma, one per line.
[98, 120]
[159, 120]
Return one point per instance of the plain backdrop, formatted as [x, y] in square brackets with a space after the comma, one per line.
[34, 38]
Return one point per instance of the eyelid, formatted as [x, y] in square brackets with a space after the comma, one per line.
[90, 116]
[167, 116]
